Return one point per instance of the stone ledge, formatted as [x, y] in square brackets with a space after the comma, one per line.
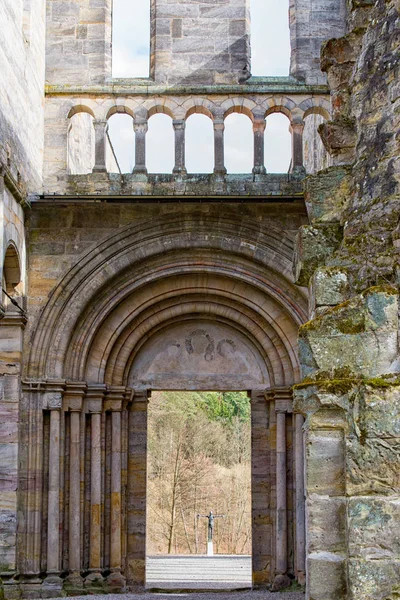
[274, 186]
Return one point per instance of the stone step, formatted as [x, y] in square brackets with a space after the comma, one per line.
[198, 572]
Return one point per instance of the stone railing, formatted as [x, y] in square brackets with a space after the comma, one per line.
[257, 102]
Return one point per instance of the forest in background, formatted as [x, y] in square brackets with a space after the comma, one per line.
[199, 457]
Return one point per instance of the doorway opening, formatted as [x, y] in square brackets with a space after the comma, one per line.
[199, 518]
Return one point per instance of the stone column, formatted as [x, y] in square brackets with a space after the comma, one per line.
[300, 501]
[260, 489]
[283, 405]
[179, 128]
[219, 154]
[137, 463]
[296, 129]
[52, 585]
[140, 128]
[94, 406]
[114, 403]
[73, 401]
[259, 126]
[100, 141]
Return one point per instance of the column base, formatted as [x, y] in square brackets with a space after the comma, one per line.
[179, 171]
[31, 589]
[220, 172]
[116, 583]
[298, 172]
[281, 582]
[73, 585]
[99, 170]
[139, 170]
[11, 590]
[94, 583]
[259, 170]
[301, 578]
[52, 586]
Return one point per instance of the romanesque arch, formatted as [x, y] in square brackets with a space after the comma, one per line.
[177, 303]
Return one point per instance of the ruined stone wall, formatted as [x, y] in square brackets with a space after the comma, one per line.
[22, 90]
[21, 159]
[349, 350]
[78, 42]
[311, 23]
[200, 42]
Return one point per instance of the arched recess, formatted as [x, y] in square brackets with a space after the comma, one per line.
[316, 157]
[11, 271]
[98, 318]
[81, 145]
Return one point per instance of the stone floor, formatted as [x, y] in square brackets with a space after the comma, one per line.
[244, 595]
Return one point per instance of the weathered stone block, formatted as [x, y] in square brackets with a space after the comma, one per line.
[326, 576]
[373, 528]
[325, 462]
[326, 524]
[329, 286]
[359, 336]
[327, 193]
[374, 580]
[314, 244]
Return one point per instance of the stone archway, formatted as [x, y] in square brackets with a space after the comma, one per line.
[169, 292]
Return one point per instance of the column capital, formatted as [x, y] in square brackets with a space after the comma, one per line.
[100, 123]
[283, 400]
[140, 127]
[74, 395]
[140, 396]
[116, 398]
[297, 125]
[259, 125]
[219, 124]
[179, 124]
[94, 398]
[53, 394]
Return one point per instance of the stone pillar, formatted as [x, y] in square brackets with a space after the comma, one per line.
[296, 129]
[11, 449]
[259, 126]
[219, 154]
[100, 141]
[94, 406]
[140, 128]
[300, 501]
[73, 401]
[137, 472]
[179, 128]
[283, 405]
[114, 403]
[260, 490]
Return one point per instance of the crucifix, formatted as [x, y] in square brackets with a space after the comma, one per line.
[210, 517]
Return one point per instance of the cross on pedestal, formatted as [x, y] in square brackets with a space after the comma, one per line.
[210, 517]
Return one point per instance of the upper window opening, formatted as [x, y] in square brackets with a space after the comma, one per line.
[131, 38]
[160, 144]
[270, 38]
[122, 139]
[239, 143]
[199, 144]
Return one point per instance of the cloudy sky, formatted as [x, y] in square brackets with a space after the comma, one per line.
[270, 56]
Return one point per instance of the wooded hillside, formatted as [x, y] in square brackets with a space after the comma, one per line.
[199, 460]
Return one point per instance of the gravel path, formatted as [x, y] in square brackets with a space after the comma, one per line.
[245, 595]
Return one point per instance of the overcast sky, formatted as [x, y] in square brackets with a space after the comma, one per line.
[270, 56]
